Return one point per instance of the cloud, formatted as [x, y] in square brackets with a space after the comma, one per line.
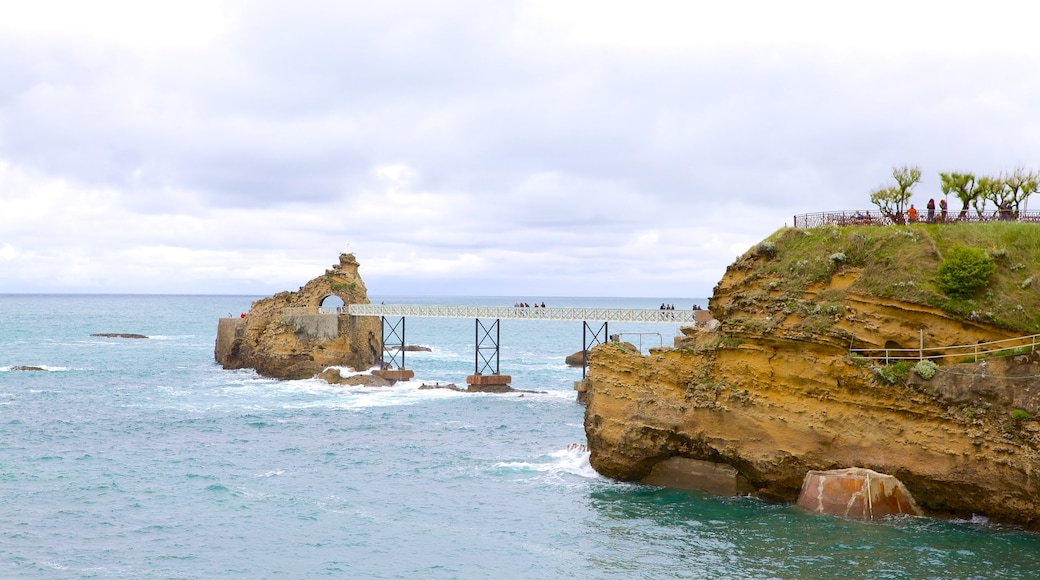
[473, 147]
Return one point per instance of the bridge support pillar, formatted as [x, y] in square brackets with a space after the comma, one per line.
[495, 383]
[391, 340]
[598, 336]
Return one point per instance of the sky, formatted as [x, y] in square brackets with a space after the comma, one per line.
[522, 149]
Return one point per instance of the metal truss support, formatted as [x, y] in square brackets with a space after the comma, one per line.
[487, 351]
[597, 337]
[392, 339]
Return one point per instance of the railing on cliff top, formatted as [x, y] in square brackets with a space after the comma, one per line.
[1010, 346]
[873, 218]
[506, 312]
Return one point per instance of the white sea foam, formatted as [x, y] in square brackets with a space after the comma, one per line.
[571, 461]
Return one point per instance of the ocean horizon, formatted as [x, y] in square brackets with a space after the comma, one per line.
[144, 458]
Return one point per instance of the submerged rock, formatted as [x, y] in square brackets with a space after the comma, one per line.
[118, 335]
[27, 368]
[707, 476]
[856, 493]
[333, 376]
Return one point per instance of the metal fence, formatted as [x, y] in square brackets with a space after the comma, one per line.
[1010, 346]
[859, 217]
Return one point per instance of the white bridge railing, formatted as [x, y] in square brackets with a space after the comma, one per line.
[1017, 345]
[524, 313]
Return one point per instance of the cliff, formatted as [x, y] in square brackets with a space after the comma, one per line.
[774, 392]
[286, 337]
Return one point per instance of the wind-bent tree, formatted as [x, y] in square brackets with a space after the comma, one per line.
[963, 186]
[1018, 186]
[989, 189]
[891, 200]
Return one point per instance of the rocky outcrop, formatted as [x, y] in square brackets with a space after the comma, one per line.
[286, 337]
[856, 493]
[773, 392]
[119, 335]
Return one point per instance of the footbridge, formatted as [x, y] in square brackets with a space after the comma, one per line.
[488, 334]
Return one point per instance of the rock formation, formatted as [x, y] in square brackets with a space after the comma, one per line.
[856, 493]
[773, 392]
[285, 336]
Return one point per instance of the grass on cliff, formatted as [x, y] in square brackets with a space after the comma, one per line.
[902, 263]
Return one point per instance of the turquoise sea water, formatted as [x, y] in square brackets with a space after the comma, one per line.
[145, 459]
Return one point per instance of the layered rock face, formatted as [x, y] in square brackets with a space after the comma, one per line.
[285, 337]
[774, 392]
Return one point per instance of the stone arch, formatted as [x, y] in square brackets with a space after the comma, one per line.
[332, 303]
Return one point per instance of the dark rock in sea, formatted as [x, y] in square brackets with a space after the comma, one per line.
[449, 386]
[332, 376]
[118, 335]
[411, 348]
[27, 368]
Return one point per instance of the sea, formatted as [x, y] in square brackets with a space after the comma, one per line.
[143, 458]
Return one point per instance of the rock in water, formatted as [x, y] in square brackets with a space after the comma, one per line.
[856, 493]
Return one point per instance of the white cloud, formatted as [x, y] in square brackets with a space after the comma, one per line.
[473, 147]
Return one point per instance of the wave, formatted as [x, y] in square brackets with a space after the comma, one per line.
[558, 466]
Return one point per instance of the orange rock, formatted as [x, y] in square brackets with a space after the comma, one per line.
[856, 493]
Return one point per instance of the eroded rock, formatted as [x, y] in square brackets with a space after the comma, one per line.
[856, 493]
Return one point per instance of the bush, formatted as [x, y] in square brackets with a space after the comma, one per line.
[895, 374]
[964, 270]
[1019, 414]
[766, 250]
[925, 369]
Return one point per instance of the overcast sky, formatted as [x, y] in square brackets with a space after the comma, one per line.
[478, 147]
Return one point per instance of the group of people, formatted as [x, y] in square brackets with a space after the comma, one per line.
[526, 305]
[667, 306]
[912, 213]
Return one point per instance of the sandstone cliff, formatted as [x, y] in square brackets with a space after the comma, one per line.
[775, 393]
[285, 337]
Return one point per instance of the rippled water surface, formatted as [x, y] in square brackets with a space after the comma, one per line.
[143, 458]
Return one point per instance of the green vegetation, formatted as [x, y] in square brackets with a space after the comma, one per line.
[965, 270]
[1019, 414]
[925, 369]
[895, 374]
[903, 263]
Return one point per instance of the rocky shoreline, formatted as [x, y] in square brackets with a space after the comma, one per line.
[771, 399]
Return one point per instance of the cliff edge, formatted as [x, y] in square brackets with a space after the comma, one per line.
[285, 336]
[775, 391]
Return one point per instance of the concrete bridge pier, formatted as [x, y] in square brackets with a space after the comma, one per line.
[391, 337]
[486, 358]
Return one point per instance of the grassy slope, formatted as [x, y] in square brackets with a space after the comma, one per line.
[901, 262]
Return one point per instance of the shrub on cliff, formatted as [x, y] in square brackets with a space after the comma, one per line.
[965, 270]
[925, 369]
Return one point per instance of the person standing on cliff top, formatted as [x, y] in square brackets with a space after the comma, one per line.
[911, 213]
[931, 210]
[942, 209]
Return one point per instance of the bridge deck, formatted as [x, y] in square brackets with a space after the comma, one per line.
[524, 313]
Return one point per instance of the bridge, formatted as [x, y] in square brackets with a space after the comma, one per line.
[488, 334]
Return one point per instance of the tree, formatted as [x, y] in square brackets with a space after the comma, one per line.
[963, 186]
[891, 200]
[989, 189]
[1018, 186]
